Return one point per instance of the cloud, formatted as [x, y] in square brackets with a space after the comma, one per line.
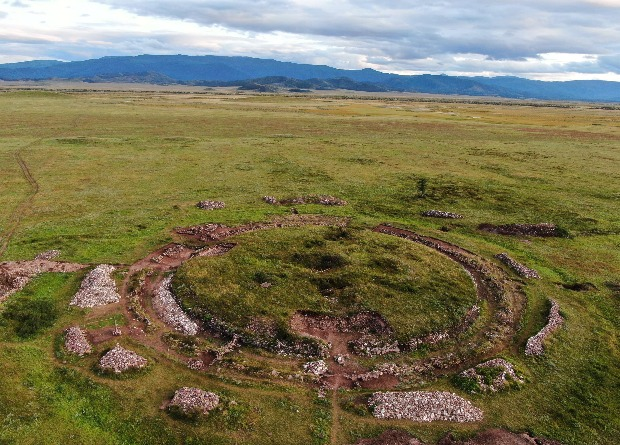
[452, 36]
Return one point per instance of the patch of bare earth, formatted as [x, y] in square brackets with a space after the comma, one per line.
[15, 275]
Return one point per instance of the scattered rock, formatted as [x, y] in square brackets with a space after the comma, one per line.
[116, 332]
[534, 344]
[318, 367]
[492, 375]
[210, 205]
[270, 200]
[120, 360]
[423, 406]
[49, 255]
[441, 214]
[227, 348]
[171, 252]
[76, 341]
[194, 400]
[541, 230]
[218, 249]
[340, 359]
[265, 285]
[169, 310]
[195, 364]
[519, 268]
[326, 200]
[97, 289]
[372, 346]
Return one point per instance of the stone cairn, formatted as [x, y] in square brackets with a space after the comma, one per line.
[76, 341]
[423, 406]
[120, 360]
[210, 205]
[194, 400]
[504, 377]
[519, 268]
[169, 310]
[441, 214]
[97, 289]
[534, 344]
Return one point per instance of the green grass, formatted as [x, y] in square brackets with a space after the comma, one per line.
[117, 171]
[331, 272]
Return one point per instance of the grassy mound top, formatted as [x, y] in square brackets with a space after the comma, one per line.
[274, 273]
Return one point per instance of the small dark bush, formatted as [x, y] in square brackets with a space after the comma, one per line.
[28, 316]
[466, 383]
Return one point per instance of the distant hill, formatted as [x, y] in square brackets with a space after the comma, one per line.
[272, 75]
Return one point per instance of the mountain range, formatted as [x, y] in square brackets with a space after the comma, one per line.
[272, 75]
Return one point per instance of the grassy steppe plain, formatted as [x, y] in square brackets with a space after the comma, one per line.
[117, 170]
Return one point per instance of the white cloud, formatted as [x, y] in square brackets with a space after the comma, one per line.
[539, 39]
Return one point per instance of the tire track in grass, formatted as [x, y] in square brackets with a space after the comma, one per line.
[20, 211]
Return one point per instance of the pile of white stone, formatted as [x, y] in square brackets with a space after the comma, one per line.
[97, 289]
[519, 268]
[441, 214]
[210, 205]
[169, 310]
[423, 406]
[534, 344]
[76, 341]
[194, 400]
[505, 375]
[318, 367]
[120, 360]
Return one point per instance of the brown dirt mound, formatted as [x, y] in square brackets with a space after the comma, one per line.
[540, 230]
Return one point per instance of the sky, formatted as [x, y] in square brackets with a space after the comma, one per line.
[536, 39]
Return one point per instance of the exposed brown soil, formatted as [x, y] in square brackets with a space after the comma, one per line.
[544, 230]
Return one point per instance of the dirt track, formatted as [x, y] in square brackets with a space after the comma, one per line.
[18, 212]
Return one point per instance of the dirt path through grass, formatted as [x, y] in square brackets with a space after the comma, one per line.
[20, 210]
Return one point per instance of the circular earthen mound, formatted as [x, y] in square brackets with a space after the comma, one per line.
[194, 401]
[257, 288]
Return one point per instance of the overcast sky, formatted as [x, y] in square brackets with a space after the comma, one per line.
[538, 39]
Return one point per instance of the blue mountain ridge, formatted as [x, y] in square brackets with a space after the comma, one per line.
[214, 70]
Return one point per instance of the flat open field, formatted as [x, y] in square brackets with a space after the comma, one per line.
[106, 176]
